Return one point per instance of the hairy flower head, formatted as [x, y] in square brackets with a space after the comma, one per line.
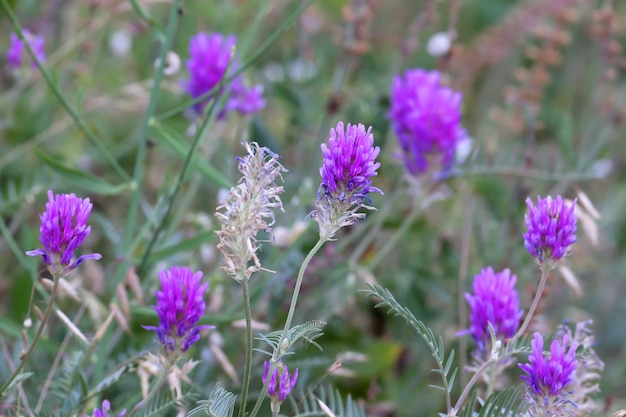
[426, 118]
[551, 228]
[548, 377]
[248, 209]
[63, 229]
[210, 58]
[495, 300]
[16, 49]
[180, 304]
[349, 163]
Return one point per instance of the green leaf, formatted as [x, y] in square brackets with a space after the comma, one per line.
[184, 246]
[508, 402]
[221, 403]
[82, 179]
[176, 143]
[19, 378]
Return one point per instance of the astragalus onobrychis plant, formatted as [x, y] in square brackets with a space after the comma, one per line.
[251, 208]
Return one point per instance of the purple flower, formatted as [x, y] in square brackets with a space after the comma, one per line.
[349, 163]
[210, 55]
[551, 228]
[180, 304]
[281, 383]
[63, 229]
[427, 120]
[14, 54]
[103, 412]
[548, 378]
[495, 301]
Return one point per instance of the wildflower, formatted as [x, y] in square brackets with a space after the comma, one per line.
[495, 301]
[247, 210]
[427, 120]
[551, 228]
[16, 49]
[103, 412]
[588, 371]
[548, 379]
[180, 304]
[349, 164]
[63, 229]
[280, 384]
[210, 57]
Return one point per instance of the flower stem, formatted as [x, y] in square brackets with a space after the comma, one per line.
[468, 388]
[545, 272]
[249, 342]
[31, 349]
[292, 308]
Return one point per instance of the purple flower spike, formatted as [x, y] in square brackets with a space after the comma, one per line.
[63, 229]
[180, 304]
[348, 166]
[210, 55]
[427, 120]
[548, 378]
[104, 411]
[495, 301]
[281, 383]
[16, 49]
[551, 228]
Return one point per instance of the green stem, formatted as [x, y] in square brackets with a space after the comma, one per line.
[292, 307]
[404, 227]
[31, 349]
[200, 132]
[454, 411]
[545, 272]
[64, 102]
[249, 345]
[138, 171]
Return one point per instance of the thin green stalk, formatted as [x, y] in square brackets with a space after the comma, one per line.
[468, 388]
[416, 210]
[292, 307]
[249, 345]
[31, 349]
[200, 132]
[545, 272]
[59, 95]
[138, 171]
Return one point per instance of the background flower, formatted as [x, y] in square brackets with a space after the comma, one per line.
[17, 50]
[426, 117]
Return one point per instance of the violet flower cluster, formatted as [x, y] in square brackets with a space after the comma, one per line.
[17, 49]
[349, 163]
[248, 209]
[281, 383]
[495, 300]
[426, 118]
[104, 411]
[180, 304]
[551, 228]
[211, 55]
[63, 229]
[548, 379]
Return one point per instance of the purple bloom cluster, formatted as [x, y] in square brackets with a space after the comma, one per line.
[495, 301]
[16, 49]
[348, 166]
[349, 163]
[180, 304]
[103, 412]
[426, 118]
[548, 378]
[281, 383]
[551, 228]
[63, 229]
[210, 56]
